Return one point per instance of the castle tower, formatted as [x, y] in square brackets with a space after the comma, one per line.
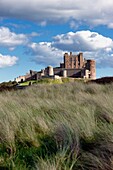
[70, 61]
[67, 61]
[73, 61]
[91, 66]
[50, 71]
[64, 73]
[80, 60]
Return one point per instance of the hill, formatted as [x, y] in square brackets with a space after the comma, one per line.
[62, 126]
[104, 80]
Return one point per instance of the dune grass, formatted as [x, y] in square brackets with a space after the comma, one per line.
[57, 127]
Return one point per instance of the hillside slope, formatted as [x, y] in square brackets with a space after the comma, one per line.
[57, 127]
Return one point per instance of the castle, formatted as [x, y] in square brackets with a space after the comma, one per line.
[74, 66]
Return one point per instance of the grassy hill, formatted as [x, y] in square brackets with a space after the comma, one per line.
[57, 127]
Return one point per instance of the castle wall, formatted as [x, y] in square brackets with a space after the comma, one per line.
[58, 71]
[69, 72]
[75, 73]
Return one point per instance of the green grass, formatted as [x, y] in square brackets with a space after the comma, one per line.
[26, 83]
[41, 81]
[52, 81]
[66, 126]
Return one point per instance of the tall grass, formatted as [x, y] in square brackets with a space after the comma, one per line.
[57, 127]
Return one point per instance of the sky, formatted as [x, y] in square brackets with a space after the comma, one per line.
[35, 34]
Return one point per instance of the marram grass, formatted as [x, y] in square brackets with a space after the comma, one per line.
[57, 127]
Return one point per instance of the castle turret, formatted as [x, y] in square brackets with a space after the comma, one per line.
[50, 71]
[64, 73]
[91, 66]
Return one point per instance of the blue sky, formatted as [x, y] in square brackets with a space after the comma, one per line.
[34, 34]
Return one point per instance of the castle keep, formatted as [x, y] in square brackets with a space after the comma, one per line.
[74, 66]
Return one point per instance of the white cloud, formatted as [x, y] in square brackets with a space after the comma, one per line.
[94, 12]
[110, 25]
[82, 41]
[34, 34]
[43, 23]
[108, 49]
[7, 60]
[103, 59]
[45, 54]
[10, 39]
[73, 24]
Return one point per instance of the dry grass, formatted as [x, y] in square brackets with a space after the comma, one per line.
[57, 127]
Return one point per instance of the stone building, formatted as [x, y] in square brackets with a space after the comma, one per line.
[74, 66]
[20, 79]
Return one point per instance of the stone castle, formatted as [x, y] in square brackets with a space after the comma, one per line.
[74, 66]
